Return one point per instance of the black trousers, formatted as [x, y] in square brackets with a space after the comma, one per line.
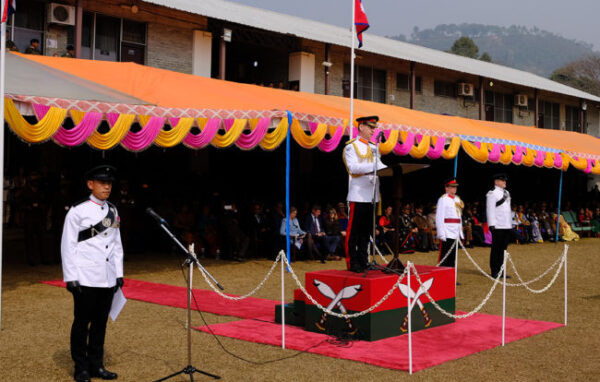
[92, 306]
[500, 239]
[444, 248]
[360, 228]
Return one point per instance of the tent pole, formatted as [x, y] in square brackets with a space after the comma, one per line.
[287, 186]
[2, 72]
[456, 165]
[559, 200]
[353, 32]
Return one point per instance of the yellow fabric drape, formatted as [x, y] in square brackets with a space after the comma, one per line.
[229, 138]
[478, 154]
[580, 164]
[114, 136]
[176, 134]
[308, 141]
[596, 168]
[549, 161]
[387, 146]
[422, 148]
[41, 131]
[452, 150]
[566, 159]
[529, 157]
[273, 139]
[77, 116]
[506, 156]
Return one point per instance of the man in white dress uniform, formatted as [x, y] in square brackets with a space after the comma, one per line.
[92, 262]
[448, 221]
[499, 220]
[359, 159]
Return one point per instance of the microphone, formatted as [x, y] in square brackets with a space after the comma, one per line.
[155, 216]
[380, 136]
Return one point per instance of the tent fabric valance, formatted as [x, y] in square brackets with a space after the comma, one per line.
[174, 108]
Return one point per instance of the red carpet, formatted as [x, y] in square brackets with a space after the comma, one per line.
[208, 301]
[430, 347]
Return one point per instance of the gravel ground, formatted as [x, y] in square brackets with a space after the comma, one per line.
[148, 341]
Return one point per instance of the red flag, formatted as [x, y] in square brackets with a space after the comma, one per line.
[360, 20]
[10, 6]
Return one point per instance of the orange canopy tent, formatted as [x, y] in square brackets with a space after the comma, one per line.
[177, 102]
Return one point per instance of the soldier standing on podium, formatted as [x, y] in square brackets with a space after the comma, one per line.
[92, 262]
[360, 163]
[448, 220]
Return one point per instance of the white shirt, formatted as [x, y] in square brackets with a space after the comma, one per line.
[501, 216]
[449, 208]
[97, 261]
[359, 157]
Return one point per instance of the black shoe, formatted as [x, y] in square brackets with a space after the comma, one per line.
[83, 376]
[357, 269]
[103, 373]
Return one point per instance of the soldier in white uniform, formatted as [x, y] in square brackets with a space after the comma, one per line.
[92, 262]
[448, 220]
[359, 159]
[499, 220]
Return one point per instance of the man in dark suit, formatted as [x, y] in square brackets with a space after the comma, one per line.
[315, 230]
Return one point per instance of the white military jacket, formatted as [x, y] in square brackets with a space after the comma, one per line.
[498, 216]
[448, 217]
[358, 158]
[97, 261]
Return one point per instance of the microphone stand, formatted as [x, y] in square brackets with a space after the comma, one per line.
[190, 261]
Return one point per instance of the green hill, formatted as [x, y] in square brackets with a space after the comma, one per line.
[529, 49]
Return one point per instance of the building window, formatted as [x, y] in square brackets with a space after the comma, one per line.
[369, 83]
[572, 118]
[498, 107]
[403, 82]
[444, 89]
[113, 39]
[28, 24]
[549, 117]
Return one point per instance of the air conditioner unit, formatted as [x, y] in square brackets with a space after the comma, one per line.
[465, 89]
[520, 99]
[61, 14]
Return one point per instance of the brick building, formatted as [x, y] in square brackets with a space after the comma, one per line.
[239, 43]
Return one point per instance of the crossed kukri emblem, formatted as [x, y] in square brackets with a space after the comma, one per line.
[415, 298]
[336, 302]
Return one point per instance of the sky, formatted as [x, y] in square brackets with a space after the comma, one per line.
[574, 19]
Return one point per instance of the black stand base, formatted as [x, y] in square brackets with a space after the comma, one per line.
[373, 266]
[396, 264]
[189, 370]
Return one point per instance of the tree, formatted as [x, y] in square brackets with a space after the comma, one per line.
[583, 74]
[465, 46]
[485, 57]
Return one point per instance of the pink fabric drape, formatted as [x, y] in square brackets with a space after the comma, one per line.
[143, 138]
[249, 141]
[206, 135]
[328, 145]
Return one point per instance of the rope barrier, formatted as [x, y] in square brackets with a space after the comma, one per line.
[281, 257]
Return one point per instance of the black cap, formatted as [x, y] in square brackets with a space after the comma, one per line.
[370, 120]
[103, 172]
[501, 176]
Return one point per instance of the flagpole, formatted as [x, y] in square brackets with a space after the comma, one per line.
[353, 33]
[2, 70]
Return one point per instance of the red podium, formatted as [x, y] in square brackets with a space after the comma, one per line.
[348, 292]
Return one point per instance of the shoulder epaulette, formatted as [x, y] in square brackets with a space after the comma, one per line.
[81, 201]
[351, 141]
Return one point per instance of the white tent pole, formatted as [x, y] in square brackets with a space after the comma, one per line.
[504, 299]
[566, 251]
[408, 309]
[2, 70]
[282, 301]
